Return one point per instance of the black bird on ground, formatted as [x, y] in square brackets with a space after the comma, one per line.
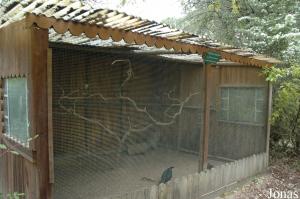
[166, 175]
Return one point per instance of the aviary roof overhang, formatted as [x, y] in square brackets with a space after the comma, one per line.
[74, 18]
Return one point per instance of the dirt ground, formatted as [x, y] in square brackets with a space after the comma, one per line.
[76, 180]
[283, 175]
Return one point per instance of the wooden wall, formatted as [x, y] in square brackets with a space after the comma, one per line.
[23, 52]
[235, 140]
[92, 72]
[15, 44]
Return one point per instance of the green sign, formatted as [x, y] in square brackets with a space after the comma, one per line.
[211, 57]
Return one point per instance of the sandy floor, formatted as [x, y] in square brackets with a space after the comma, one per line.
[76, 178]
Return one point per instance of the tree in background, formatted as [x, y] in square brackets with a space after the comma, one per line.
[270, 27]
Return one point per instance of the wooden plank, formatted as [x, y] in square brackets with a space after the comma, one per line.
[14, 146]
[162, 191]
[206, 120]
[50, 116]
[14, 50]
[2, 170]
[190, 187]
[270, 88]
[1, 109]
[154, 192]
[241, 76]
[183, 183]
[195, 185]
[38, 106]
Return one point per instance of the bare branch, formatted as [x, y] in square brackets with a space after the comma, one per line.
[76, 95]
[130, 73]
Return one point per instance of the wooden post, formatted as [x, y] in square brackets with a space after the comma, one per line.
[38, 106]
[1, 108]
[2, 174]
[50, 116]
[269, 118]
[206, 118]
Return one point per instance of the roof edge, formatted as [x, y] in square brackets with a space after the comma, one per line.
[92, 30]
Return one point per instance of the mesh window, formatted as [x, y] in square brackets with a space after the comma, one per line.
[242, 104]
[15, 109]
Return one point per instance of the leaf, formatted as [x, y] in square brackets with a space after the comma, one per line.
[235, 7]
[3, 147]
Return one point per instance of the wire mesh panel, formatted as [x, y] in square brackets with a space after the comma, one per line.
[120, 121]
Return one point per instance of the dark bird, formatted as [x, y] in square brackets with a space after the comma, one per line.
[166, 175]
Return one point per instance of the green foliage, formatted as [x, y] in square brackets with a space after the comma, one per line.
[15, 195]
[285, 135]
[270, 27]
[215, 6]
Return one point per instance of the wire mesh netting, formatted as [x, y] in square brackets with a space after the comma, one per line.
[120, 121]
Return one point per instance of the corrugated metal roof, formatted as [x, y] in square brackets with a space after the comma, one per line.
[116, 25]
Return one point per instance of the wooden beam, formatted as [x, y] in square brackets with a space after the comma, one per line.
[38, 105]
[14, 146]
[113, 49]
[1, 108]
[50, 116]
[2, 163]
[270, 88]
[206, 118]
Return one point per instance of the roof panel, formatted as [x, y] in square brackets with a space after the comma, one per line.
[118, 26]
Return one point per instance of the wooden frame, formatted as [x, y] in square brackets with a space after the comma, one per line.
[270, 93]
[1, 108]
[21, 150]
[25, 151]
[50, 116]
[206, 118]
[38, 76]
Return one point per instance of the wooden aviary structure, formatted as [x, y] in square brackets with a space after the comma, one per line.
[95, 85]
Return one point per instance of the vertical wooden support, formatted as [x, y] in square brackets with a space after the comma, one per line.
[270, 89]
[2, 174]
[38, 108]
[206, 118]
[1, 108]
[50, 116]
